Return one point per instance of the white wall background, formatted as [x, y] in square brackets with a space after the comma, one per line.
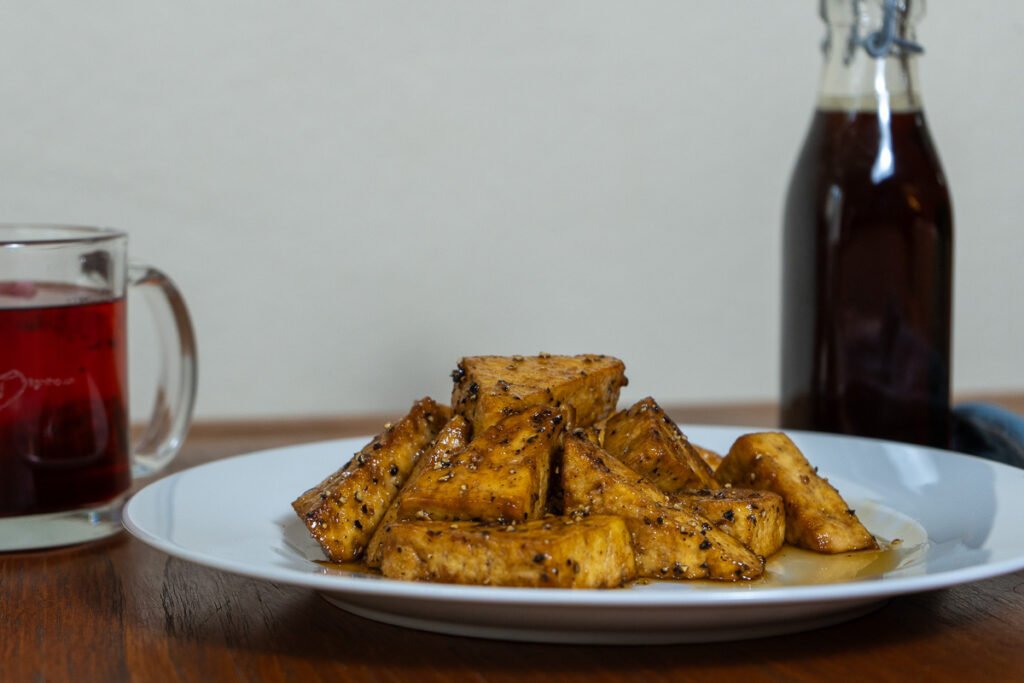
[352, 195]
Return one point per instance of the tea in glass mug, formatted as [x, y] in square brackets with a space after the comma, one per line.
[66, 457]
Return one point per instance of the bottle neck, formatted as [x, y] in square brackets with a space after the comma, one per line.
[854, 79]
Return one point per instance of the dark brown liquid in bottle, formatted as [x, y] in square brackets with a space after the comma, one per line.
[867, 276]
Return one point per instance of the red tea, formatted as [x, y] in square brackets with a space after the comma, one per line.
[63, 419]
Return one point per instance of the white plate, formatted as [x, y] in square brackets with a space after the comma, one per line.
[958, 517]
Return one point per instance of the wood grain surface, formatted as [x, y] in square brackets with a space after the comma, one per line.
[119, 610]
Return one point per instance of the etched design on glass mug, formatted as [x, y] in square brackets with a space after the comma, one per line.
[14, 383]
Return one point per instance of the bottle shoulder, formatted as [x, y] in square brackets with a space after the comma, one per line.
[884, 152]
[860, 169]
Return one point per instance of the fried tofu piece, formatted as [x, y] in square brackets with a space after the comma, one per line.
[502, 476]
[450, 440]
[757, 519]
[817, 517]
[554, 552]
[594, 433]
[670, 543]
[343, 511]
[651, 443]
[488, 388]
[712, 458]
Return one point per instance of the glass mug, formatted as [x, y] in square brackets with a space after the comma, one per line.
[66, 460]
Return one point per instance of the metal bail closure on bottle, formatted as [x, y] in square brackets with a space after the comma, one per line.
[881, 43]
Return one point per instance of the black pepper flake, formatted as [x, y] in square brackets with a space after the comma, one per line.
[458, 374]
[376, 445]
[729, 515]
[538, 558]
[705, 544]
[359, 525]
[393, 471]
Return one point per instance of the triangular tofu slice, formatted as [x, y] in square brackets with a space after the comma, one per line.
[343, 511]
[757, 519]
[502, 476]
[452, 439]
[650, 442]
[487, 388]
[817, 517]
[669, 543]
[712, 458]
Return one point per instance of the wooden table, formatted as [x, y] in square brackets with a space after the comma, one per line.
[119, 610]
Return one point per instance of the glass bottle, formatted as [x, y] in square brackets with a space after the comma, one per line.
[868, 242]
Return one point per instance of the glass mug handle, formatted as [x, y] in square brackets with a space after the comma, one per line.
[176, 384]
